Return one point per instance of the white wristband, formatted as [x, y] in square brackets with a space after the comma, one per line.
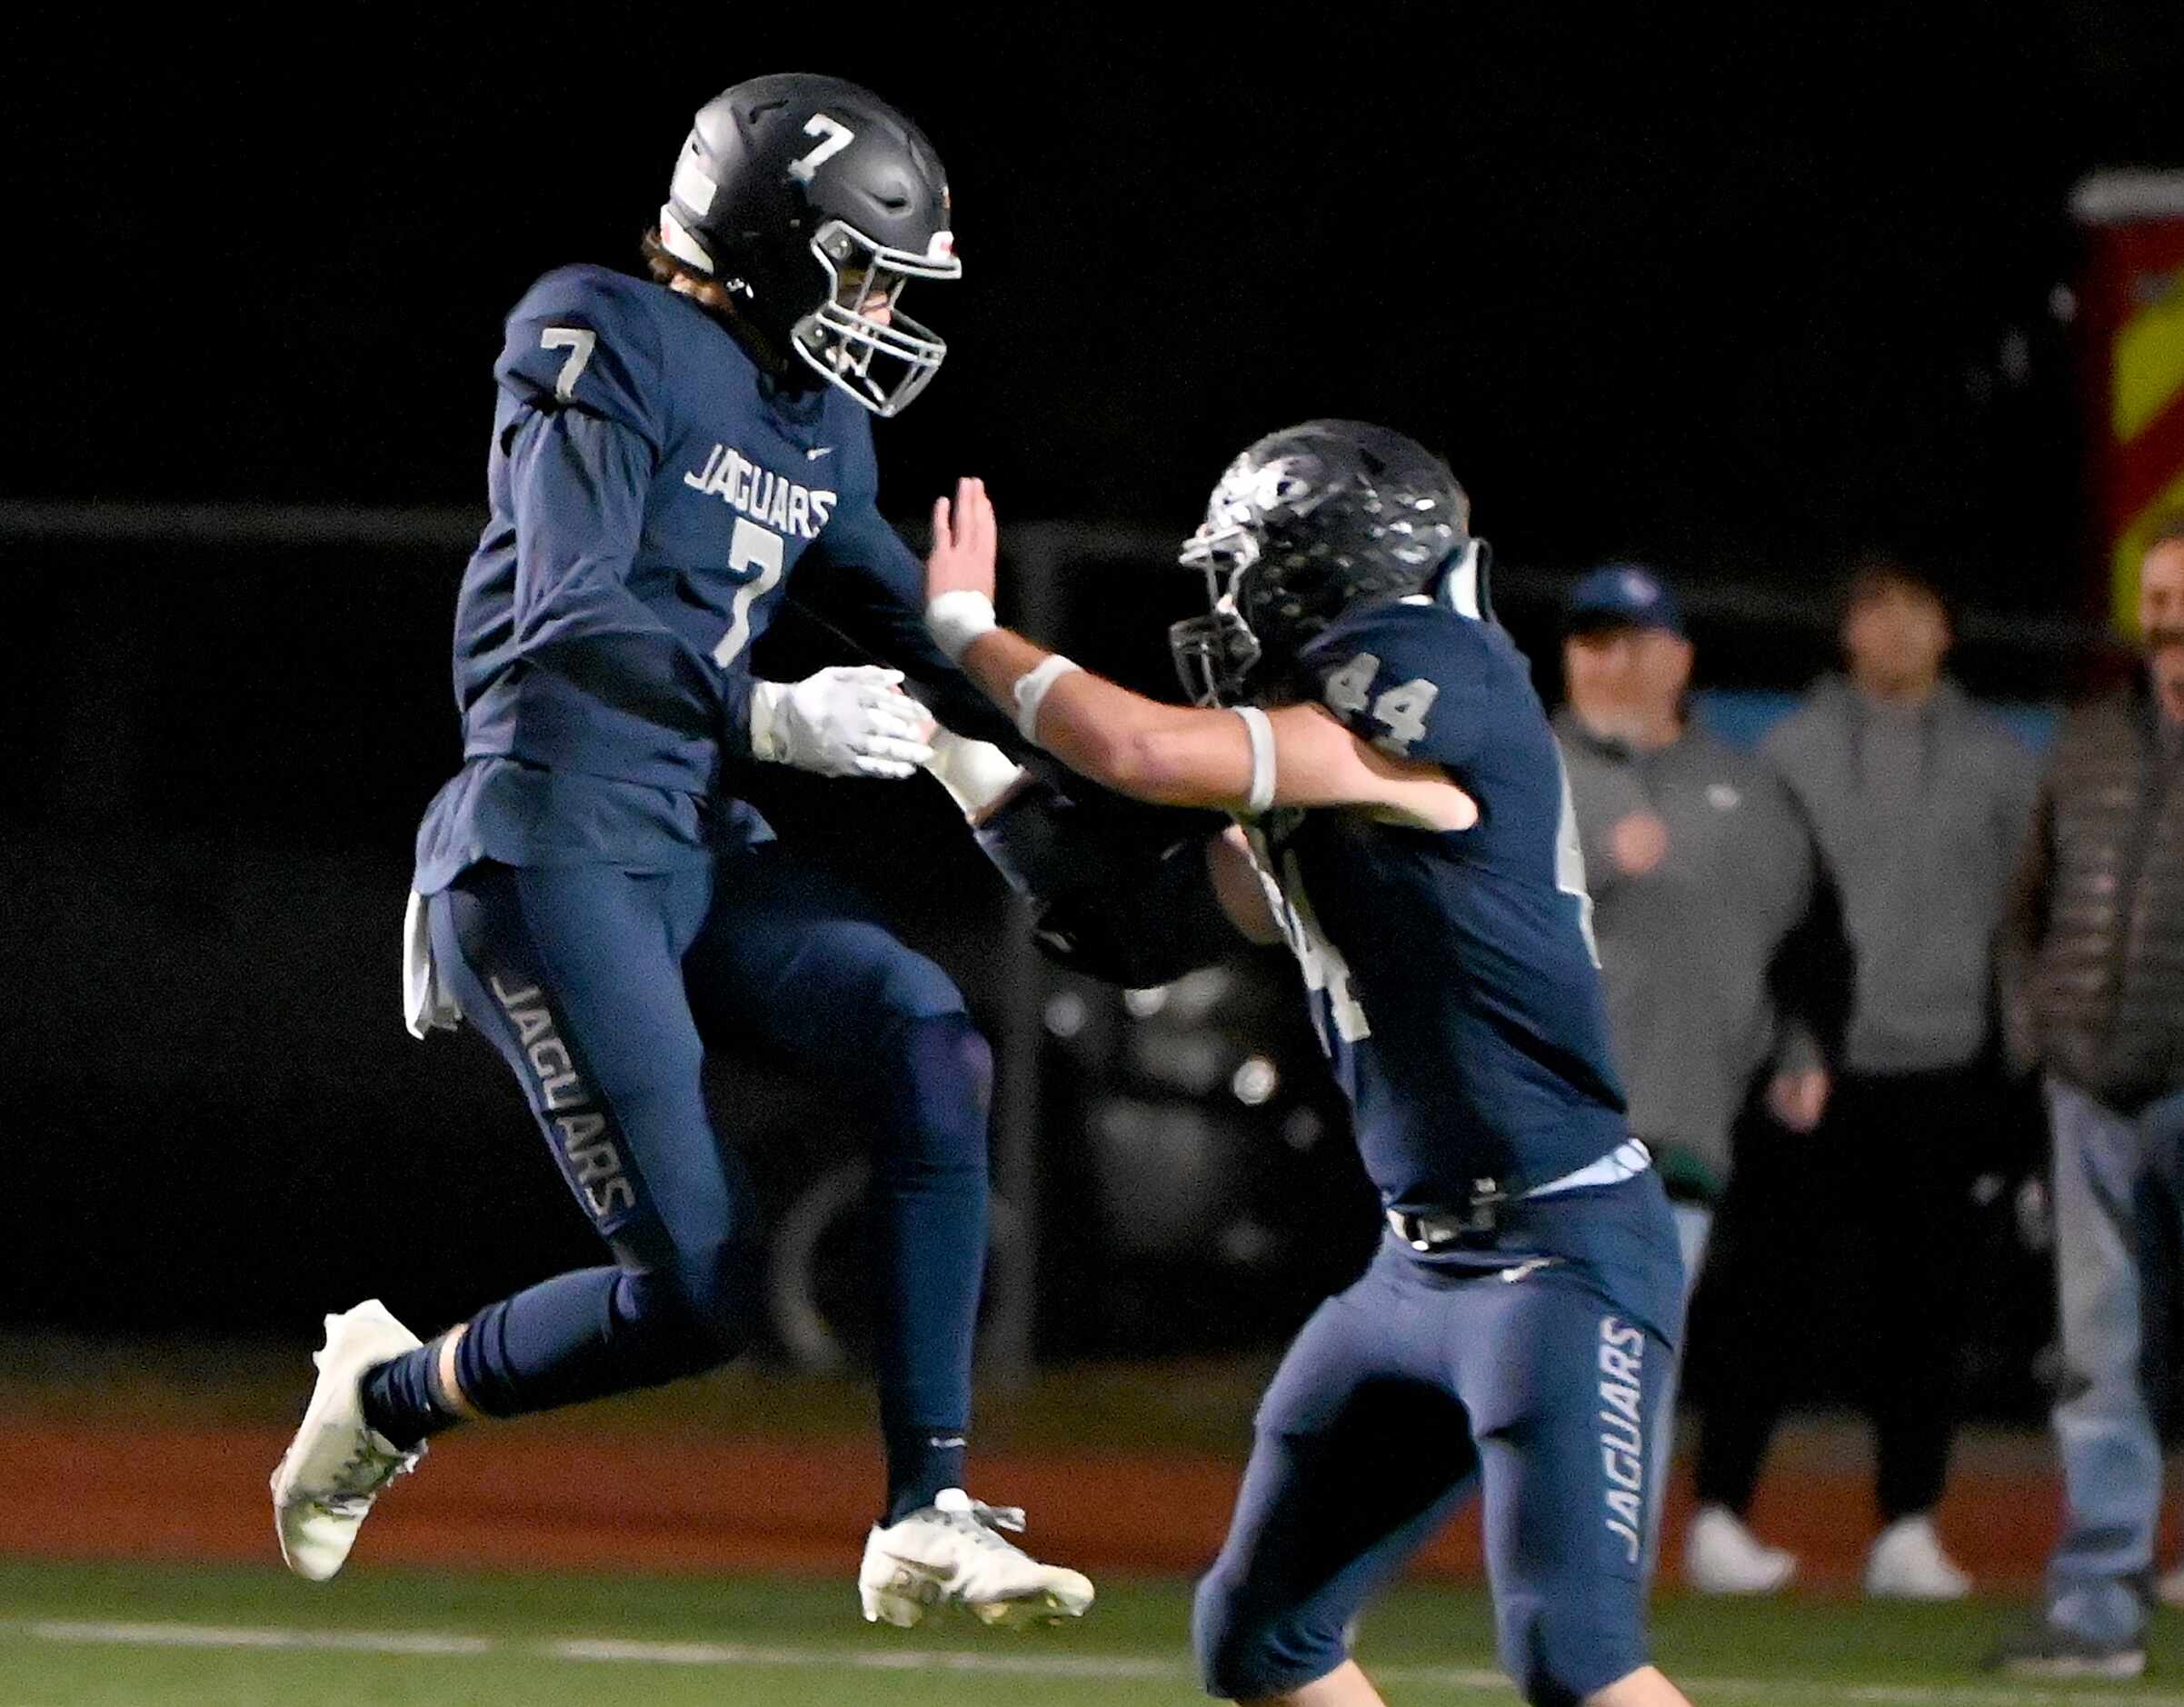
[956, 619]
[1031, 692]
[1262, 756]
[974, 773]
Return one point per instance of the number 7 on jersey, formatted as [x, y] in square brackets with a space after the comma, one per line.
[580, 342]
[750, 546]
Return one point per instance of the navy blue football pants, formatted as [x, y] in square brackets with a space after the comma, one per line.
[1548, 1389]
[602, 989]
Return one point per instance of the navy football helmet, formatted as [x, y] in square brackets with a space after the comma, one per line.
[809, 199]
[1307, 524]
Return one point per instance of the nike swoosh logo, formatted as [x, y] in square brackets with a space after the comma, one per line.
[817, 451]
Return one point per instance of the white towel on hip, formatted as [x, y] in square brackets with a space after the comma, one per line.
[427, 1004]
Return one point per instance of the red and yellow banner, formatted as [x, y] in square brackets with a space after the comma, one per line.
[2132, 310]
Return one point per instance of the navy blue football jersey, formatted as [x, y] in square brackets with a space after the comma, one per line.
[653, 493]
[1452, 974]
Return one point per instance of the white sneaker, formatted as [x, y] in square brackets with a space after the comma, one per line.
[953, 1552]
[1720, 1556]
[1907, 1563]
[336, 1465]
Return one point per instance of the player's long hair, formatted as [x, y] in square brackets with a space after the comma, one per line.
[667, 268]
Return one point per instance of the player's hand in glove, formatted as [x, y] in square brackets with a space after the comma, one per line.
[846, 721]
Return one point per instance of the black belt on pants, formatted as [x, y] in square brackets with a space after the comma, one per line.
[1435, 1229]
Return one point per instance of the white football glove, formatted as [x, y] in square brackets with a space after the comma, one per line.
[846, 721]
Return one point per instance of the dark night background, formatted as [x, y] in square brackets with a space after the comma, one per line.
[1741, 293]
[1732, 287]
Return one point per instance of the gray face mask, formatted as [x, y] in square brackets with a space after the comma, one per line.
[1215, 654]
[882, 364]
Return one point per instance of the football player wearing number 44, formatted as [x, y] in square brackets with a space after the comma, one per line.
[1402, 819]
[593, 898]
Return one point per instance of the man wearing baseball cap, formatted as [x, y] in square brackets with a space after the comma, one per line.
[1727, 976]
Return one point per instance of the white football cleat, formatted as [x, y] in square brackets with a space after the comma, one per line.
[1907, 1563]
[953, 1553]
[1720, 1556]
[337, 1464]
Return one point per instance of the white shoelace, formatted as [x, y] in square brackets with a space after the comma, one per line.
[983, 1521]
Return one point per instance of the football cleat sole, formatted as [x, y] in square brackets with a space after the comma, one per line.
[912, 1595]
[1034, 1611]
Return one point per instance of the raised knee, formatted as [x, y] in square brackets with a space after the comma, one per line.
[1248, 1651]
[913, 988]
[697, 1316]
[945, 1065]
[720, 1287]
[967, 1055]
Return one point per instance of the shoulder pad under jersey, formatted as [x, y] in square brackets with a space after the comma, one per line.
[1413, 679]
[585, 338]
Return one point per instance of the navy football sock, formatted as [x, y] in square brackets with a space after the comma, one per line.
[929, 1192]
[403, 1398]
[921, 1462]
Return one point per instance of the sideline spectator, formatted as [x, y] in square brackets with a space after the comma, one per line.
[1920, 799]
[1721, 953]
[2092, 971]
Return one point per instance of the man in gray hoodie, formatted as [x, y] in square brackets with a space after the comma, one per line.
[1920, 798]
[1721, 953]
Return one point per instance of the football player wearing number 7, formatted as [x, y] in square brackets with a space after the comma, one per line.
[596, 899]
[1401, 818]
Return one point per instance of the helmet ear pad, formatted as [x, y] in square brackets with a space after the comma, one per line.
[772, 287]
[1286, 597]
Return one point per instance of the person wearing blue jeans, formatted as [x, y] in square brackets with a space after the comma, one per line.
[2091, 958]
[2115, 1178]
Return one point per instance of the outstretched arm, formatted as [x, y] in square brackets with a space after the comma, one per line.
[1232, 759]
[859, 578]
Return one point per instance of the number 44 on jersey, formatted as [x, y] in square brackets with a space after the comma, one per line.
[1399, 710]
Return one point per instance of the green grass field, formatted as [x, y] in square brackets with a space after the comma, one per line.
[242, 1638]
